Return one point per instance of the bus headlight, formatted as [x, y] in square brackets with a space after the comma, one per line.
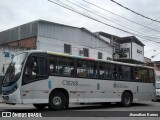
[14, 88]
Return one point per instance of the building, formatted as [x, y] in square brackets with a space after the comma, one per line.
[112, 39]
[147, 60]
[45, 35]
[156, 66]
[126, 49]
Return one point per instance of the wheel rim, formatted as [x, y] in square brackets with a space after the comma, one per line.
[56, 100]
[127, 100]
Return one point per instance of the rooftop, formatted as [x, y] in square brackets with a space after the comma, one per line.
[122, 39]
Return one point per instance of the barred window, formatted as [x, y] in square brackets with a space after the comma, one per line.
[86, 52]
[100, 55]
[67, 48]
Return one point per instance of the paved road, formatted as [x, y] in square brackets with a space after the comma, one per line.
[96, 111]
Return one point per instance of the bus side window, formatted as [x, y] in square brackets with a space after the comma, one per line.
[65, 66]
[36, 68]
[31, 67]
[151, 76]
[53, 65]
[102, 71]
[92, 69]
[125, 72]
[138, 74]
[81, 69]
[146, 76]
[142, 75]
[112, 71]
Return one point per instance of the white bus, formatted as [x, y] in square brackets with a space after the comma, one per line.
[53, 79]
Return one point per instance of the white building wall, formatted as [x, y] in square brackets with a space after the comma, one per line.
[135, 54]
[50, 44]
[52, 37]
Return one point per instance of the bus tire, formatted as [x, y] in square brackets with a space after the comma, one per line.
[40, 106]
[57, 101]
[126, 99]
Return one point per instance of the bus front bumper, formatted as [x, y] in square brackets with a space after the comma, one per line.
[12, 98]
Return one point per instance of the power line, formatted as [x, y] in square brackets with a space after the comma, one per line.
[99, 20]
[120, 16]
[155, 55]
[90, 17]
[108, 19]
[102, 16]
[135, 12]
[151, 24]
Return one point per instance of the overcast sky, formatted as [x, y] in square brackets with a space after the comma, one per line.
[17, 12]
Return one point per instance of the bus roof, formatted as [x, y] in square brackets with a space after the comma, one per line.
[86, 58]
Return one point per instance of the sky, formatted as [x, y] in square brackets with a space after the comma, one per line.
[17, 12]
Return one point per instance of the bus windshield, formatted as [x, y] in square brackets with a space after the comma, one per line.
[14, 70]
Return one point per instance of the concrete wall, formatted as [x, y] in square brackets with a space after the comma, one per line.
[54, 45]
[135, 54]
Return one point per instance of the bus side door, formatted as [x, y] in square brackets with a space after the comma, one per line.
[34, 81]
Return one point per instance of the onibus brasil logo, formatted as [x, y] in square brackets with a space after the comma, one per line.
[13, 114]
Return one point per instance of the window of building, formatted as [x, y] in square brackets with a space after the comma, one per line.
[139, 51]
[125, 50]
[67, 48]
[100, 55]
[86, 52]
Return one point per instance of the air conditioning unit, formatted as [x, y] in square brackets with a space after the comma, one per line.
[80, 52]
[108, 58]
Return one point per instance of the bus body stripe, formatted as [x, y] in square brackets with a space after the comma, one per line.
[49, 84]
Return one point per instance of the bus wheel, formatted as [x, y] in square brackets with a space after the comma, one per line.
[57, 101]
[126, 99]
[40, 106]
